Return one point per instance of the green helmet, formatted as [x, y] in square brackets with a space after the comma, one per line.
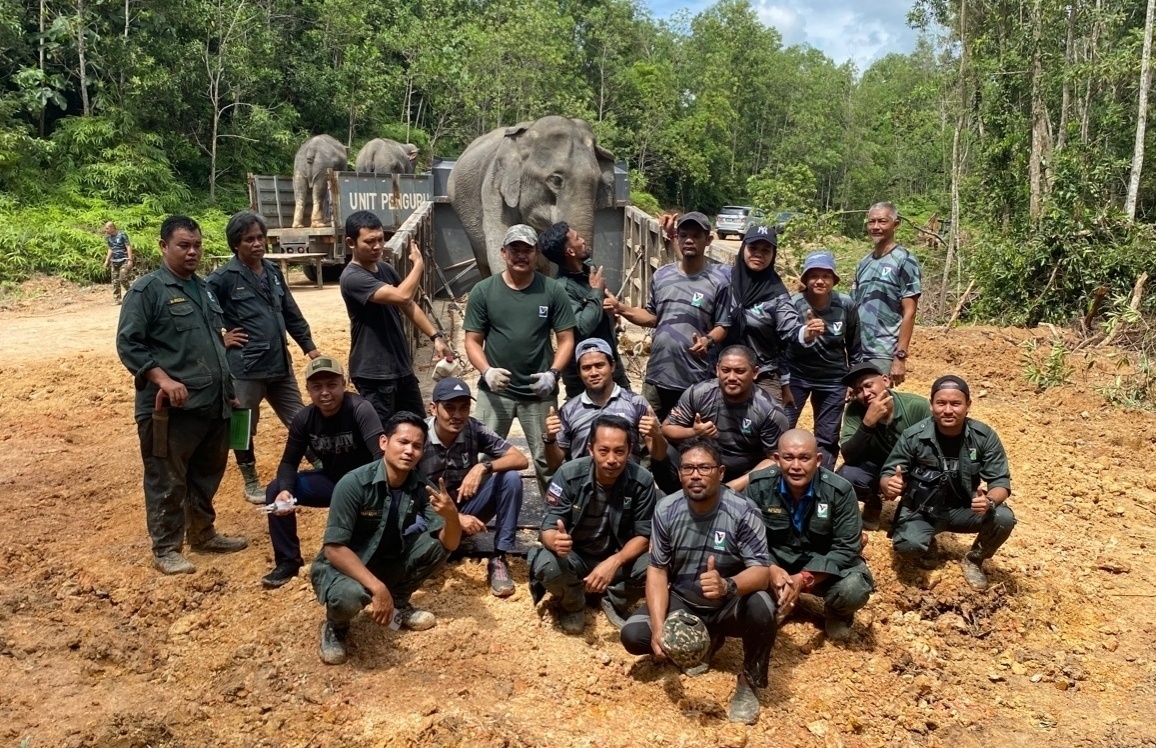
[686, 642]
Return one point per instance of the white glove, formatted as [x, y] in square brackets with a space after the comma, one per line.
[497, 379]
[543, 383]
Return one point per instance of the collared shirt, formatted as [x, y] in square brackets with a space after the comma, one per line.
[454, 461]
[578, 413]
[798, 508]
[981, 457]
[571, 497]
[685, 306]
[119, 244]
[881, 284]
[748, 432]
[908, 410]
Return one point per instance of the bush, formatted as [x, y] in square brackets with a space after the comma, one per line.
[645, 201]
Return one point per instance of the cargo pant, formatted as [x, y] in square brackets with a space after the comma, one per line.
[119, 278]
[498, 413]
[390, 396]
[549, 573]
[827, 403]
[913, 531]
[284, 397]
[179, 489]
[844, 595]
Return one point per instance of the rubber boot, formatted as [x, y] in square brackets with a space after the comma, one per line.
[254, 494]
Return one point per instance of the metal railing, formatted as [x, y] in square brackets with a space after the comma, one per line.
[643, 252]
[419, 228]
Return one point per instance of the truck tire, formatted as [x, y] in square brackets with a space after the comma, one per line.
[310, 272]
[332, 273]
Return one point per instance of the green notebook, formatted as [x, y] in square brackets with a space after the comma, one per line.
[240, 427]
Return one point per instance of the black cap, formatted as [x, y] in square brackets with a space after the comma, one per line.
[762, 234]
[695, 217]
[950, 382]
[857, 371]
[450, 388]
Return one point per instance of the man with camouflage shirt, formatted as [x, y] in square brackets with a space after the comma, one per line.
[118, 258]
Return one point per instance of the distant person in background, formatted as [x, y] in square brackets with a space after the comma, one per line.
[762, 315]
[376, 297]
[817, 371]
[886, 292]
[259, 311]
[586, 288]
[118, 258]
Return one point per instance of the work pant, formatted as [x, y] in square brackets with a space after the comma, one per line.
[311, 488]
[913, 531]
[573, 382]
[864, 478]
[827, 402]
[389, 396]
[844, 595]
[284, 397]
[549, 573]
[772, 385]
[748, 617]
[345, 597]
[661, 400]
[119, 278]
[179, 489]
[498, 413]
[500, 495]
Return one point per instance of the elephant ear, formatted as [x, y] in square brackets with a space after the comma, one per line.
[508, 165]
[605, 196]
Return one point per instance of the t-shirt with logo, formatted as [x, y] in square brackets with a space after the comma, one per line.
[881, 285]
[770, 326]
[348, 439]
[118, 243]
[453, 461]
[578, 414]
[833, 353]
[682, 541]
[685, 305]
[747, 432]
[517, 326]
[379, 349]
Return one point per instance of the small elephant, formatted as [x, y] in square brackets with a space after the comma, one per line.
[383, 156]
[539, 173]
[310, 194]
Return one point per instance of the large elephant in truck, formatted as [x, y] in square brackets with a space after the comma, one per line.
[384, 156]
[310, 193]
[537, 173]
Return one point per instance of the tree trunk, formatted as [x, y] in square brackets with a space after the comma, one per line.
[1066, 98]
[82, 58]
[1142, 114]
[1041, 142]
[1086, 111]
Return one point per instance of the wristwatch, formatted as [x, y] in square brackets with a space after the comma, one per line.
[901, 355]
[548, 439]
[436, 335]
[488, 464]
[808, 580]
[555, 372]
[732, 587]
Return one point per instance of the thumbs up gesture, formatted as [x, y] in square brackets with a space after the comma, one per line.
[704, 428]
[699, 344]
[712, 583]
[980, 503]
[892, 485]
[553, 424]
[814, 327]
[562, 541]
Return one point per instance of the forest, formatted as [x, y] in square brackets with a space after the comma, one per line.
[1019, 123]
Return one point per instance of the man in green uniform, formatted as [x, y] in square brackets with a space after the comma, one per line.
[509, 318]
[952, 473]
[872, 423]
[388, 531]
[814, 533]
[170, 338]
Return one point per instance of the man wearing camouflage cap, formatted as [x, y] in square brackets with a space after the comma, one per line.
[509, 318]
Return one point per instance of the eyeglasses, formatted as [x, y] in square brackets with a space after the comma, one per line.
[700, 469]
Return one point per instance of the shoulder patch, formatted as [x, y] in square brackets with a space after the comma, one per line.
[553, 494]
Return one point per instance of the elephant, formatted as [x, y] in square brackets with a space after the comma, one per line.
[310, 193]
[538, 173]
[382, 156]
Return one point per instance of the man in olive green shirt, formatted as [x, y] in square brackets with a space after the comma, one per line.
[388, 531]
[872, 423]
[170, 339]
[814, 533]
[952, 473]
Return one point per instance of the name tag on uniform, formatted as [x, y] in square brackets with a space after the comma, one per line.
[177, 300]
[374, 513]
[822, 511]
[775, 510]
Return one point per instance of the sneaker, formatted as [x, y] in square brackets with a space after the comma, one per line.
[173, 563]
[415, 619]
[221, 544]
[612, 615]
[334, 644]
[929, 559]
[973, 572]
[872, 508]
[744, 706]
[498, 572]
[837, 627]
[280, 575]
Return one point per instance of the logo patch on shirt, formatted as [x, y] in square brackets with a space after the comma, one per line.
[757, 309]
[971, 454]
[553, 494]
[746, 425]
[543, 311]
[837, 327]
[886, 272]
[720, 540]
[696, 299]
[822, 511]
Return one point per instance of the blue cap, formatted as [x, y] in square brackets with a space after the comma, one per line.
[593, 344]
[821, 260]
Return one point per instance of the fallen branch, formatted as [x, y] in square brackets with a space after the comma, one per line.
[1134, 305]
[959, 306]
[1094, 309]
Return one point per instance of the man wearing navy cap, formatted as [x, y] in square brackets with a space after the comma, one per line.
[482, 489]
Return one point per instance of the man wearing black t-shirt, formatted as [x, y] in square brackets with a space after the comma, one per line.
[343, 430]
[375, 298]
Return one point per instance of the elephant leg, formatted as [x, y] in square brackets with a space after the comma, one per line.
[300, 197]
[319, 204]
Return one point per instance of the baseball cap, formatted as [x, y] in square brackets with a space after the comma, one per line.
[450, 388]
[762, 234]
[593, 344]
[821, 260]
[686, 641]
[857, 371]
[323, 364]
[696, 217]
[520, 233]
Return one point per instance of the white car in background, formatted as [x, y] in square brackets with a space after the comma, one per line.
[736, 219]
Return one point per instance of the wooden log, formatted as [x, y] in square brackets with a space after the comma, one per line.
[1134, 305]
[959, 306]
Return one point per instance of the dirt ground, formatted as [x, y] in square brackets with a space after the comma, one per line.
[97, 649]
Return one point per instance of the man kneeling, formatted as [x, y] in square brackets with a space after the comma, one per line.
[814, 533]
[366, 559]
[709, 566]
[596, 529]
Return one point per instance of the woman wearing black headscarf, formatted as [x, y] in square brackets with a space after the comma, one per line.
[762, 314]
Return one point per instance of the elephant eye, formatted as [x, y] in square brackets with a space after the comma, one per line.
[555, 181]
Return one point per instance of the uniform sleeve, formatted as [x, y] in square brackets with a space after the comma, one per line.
[774, 426]
[752, 540]
[723, 313]
[855, 352]
[360, 286]
[477, 314]
[659, 542]
[682, 414]
[566, 435]
[847, 536]
[901, 454]
[295, 446]
[343, 511]
[911, 276]
[852, 420]
[132, 334]
[563, 317]
[558, 504]
[295, 323]
[369, 426]
[993, 467]
[651, 304]
[644, 506]
[218, 284]
[489, 443]
[788, 321]
[586, 304]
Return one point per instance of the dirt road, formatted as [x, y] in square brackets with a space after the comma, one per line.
[97, 649]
